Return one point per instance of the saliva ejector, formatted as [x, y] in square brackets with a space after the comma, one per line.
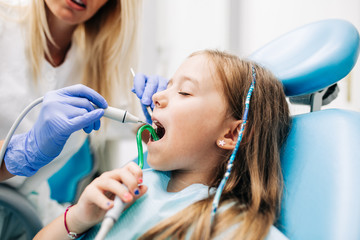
[114, 213]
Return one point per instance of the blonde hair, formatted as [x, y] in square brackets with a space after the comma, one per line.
[251, 197]
[109, 42]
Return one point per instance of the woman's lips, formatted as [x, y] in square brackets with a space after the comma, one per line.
[79, 5]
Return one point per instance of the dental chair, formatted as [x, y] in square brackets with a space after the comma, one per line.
[321, 158]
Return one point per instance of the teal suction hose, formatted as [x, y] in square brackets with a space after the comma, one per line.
[139, 142]
[114, 213]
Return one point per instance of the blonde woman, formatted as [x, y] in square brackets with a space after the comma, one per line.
[51, 44]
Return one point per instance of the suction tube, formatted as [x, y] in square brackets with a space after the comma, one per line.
[114, 213]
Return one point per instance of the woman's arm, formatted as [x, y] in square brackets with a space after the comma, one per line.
[4, 173]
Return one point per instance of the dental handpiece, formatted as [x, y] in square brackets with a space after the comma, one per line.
[120, 115]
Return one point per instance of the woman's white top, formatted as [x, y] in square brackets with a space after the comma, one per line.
[158, 204]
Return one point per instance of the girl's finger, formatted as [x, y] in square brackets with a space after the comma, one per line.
[97, 197]
[136, 171]
[115, 187]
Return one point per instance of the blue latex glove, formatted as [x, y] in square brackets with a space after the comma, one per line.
[63, 112]
[145, 87]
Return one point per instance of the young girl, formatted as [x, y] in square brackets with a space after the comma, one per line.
[199, 118]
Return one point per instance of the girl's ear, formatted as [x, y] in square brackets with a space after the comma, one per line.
[228, 138]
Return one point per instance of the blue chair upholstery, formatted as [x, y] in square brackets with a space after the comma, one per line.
[311, 57]
[321, 166]
[321, 158]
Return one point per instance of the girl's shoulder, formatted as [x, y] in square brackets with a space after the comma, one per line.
[275, 234]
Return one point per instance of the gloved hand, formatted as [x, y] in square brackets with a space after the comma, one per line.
[63, 112]
[145, 87]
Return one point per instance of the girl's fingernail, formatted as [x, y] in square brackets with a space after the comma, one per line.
[136, 192]
[140, 180]
[127, 196]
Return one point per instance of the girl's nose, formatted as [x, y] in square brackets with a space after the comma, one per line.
[160, 99]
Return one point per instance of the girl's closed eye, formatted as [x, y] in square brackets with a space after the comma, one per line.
[183, 93]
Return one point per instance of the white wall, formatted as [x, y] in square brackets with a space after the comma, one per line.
[183, 26]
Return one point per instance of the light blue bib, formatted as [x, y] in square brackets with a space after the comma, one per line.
[158, 204]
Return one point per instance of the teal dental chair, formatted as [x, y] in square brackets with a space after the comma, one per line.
[321, 158]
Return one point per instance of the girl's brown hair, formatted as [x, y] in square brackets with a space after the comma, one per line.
[253, 191]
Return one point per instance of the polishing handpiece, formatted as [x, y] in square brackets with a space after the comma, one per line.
[121, 115]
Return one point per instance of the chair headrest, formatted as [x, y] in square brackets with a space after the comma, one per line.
[311, 57]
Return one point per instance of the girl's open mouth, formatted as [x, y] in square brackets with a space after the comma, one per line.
[159, 129]
[79, 3]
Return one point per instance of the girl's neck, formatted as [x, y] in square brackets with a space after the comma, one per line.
[62, 34]
[180, 180]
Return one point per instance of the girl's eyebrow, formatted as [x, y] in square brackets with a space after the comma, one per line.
[184, 79]
[190, 79]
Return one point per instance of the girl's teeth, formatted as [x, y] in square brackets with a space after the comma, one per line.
[79, 2]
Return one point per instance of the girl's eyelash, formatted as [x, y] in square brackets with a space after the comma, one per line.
[183, 93]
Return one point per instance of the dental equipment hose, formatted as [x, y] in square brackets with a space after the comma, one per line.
[15, 125]
[114, 213]
[110, 112]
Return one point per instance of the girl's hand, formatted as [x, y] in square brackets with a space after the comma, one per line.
[98, 196]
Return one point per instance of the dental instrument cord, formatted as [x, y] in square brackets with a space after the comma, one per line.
[15, 125]
[114, 213]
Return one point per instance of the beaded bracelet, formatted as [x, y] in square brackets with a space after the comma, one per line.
[71, 235]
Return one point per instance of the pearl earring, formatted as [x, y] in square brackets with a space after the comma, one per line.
[221, 143]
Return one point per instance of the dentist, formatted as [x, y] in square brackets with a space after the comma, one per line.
[49, 45]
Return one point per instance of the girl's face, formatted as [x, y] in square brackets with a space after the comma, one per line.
[74, 12]
[191, 113]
